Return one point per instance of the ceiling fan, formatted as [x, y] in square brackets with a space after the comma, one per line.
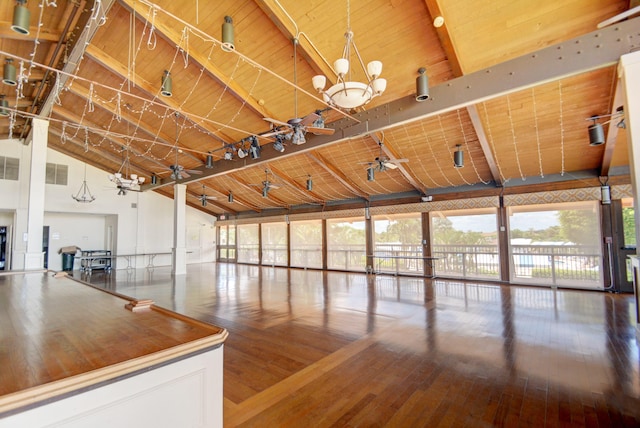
[204, 197]
[296, 128]
[267, 185]
[178, 172]
[384, 163]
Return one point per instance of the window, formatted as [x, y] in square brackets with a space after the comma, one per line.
[628, 223]
[466, 243]
[248, 243]
[346, 244]
[227, 243]
[398, 243]
[9, 168]
[274, 244]
[57, 174]
[306, 244]
[556, 244]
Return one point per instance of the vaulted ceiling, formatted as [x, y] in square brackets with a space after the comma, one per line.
[511, 86]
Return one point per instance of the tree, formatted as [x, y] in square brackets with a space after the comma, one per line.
[579, 227]
[629, 226]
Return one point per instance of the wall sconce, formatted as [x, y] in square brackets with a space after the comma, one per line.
[4, 106]
[167, 84]
[422, 85]
[367, 214]
[286, 218]
[458, 157]
[605, 191]
[230, 197]
[21, 17]
[227, 35]
[9, 73]
[209, 163]
[309, 184]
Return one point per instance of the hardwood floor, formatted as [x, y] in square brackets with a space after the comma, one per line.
[308, 348]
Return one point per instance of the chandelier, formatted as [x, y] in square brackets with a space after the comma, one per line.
[346, 93]
[123, 179]
[84, 194]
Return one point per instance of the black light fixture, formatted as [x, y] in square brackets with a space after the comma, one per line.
[230, 197]
[371, 174]
[154, 179]
[227, 35]
[309, 184]
[167, 84]
[254, 149]
[209, 163]
[422, 85]
[4, 106]
[596, 133]
[458, 157]
[9, 73]
[21, 17]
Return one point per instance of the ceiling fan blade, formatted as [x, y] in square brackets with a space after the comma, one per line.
[192, 171]
[320, 131]
[390, 165]
[277, 122]
[310, 118]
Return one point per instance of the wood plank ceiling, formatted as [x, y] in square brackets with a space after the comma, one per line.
[94, 68]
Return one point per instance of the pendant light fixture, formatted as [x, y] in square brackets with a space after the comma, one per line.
[458, 157]
[84, 194]
[371, 174]
[21, 18]
[309, 184]
[4, 106]
[209, 163]
[167, 84]
[596, 133]
[227, 35]
[346, 93]
[422, 85]
[230, 197]
[9, 73]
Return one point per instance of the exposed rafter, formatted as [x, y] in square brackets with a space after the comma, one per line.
[484, 144]
[282, 176]
[612, 133]
[258, 190]
[392, 155]
[337, 174]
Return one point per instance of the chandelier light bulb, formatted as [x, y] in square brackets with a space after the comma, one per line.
[374, 68]
[379, 85]
[319, 82]
[341, 66]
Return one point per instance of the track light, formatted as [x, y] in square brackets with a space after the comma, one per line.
[4, 106]
[254, 150]
[422, 85]
[209, 163]
[227, 35]
[371, 174]
[9, 75]
[154, 179]
[228, 155]
[458, 157]
[298, 136]
[21, 17]
[230, 197]
[309, 184]
[167, 84]
[277, 145]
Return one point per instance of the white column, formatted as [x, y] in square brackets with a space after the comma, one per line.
[179, 257]
[34, 257]
[630, 75]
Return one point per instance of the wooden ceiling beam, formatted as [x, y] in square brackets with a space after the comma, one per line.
[254, 188]
[175, 38]
[45, 34]
[116, 67]
[484, 144]
[289, 29]
[612, 133]
[433, 6]
[282, 176]
[392, 155]
[337, 174]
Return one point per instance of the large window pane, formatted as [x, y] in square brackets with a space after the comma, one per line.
[628, 222]
[248, 243]
[398, 243]
[556, 244]
[306, 244]
[346, 244]
[465, 243]
[274, 244]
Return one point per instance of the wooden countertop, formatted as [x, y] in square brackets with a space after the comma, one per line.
[59, 335]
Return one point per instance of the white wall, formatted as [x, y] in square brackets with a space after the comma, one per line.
[143, 220]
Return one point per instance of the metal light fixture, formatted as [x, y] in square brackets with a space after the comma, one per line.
[123, 179]
[21, 18]
[309, 184]
[254, 149]
[228, 155]
[209, 163]
[298, 136]
[154, 179]
[4, 106]
[167, 84]
[84, 194]
[371, 174]
[596, 133]
[458, 157]
[265, 191]
[9, 73]
[422, 85]
[227, 35]
[230, 197]
[605, 192]
[278, 145]
[348, 94]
